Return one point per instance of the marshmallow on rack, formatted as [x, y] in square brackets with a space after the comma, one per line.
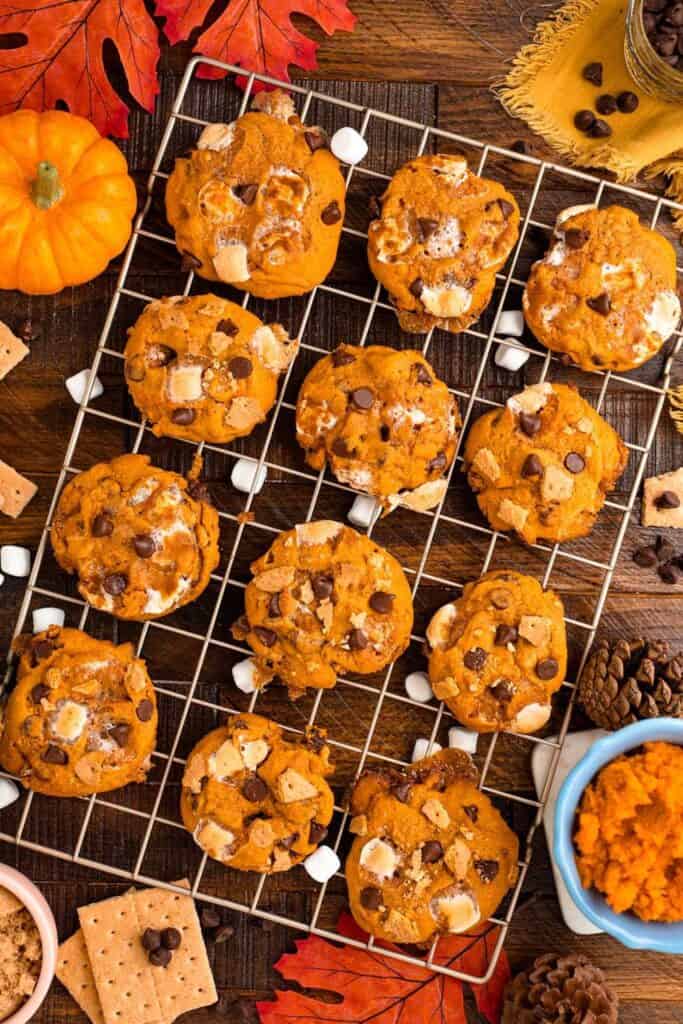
[15, 561]
[322, 864]
[77, 386]
[43, 618]
[363, 511]
[463, 739]
[349, 146]
[423, 748]
[244, 675]
[244, 472]
[510, 357]
[9, 792]
[418, 687]
[511, 321]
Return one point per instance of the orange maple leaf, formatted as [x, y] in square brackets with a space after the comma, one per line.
[381, 990]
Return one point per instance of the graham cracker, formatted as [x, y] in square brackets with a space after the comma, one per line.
[12, 350]
[15, 491]
[75, 974]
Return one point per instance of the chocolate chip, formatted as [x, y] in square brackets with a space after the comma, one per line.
[668, 499]
[183, 417]
[503, 691]
[144, 710]
[171, 938]
[532, 466]
[600, 129]
[26, 331]
[506, 635]
[240, 367]
[41, 649]
[645, 557]
[115, 583]
[593, 73]
[576, 238]
[151, 939]
[472, 812]
[437, 464]
[341, 448]
[102, 526]
[547, 668]
[402, 791]
[417, 287]
[665, 550]
[362, 398]
[628, 101]
[160, 957]
[227, 326]
[584, 120]
[371, 897]
[487, 869]
[374, 207]
[198, 490]
[426, 228]
[266, 636]
[331, 214]
[222, 934]
[422, 375]
[506, 208]
[381, 602]
[316, 833]
[209, 917]
[274, 610]
[666, 44]
[245, 193]
[189, 262]
[323, 586]
[144, 545]
[475, 659]
[520, 146]
[54, 755]
[315, 140]
[254, 789]
[340, 357]
[670, 572]
[432, 852]
[120, 733]
[606, 104]
[39, 691]
[574, 462]
[600, 304]
[529, 423]
[358, 640]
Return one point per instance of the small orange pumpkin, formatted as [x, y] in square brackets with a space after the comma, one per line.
[66, 201]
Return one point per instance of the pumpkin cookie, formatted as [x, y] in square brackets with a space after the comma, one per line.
[82, 717]
[384, 421]
[142, 540]
[442, 234]
[498, 653]
[259, 203]
[605, 293]
[254, 799]
[203, 368]
[324, 599]
[543, 465]
[432, 855]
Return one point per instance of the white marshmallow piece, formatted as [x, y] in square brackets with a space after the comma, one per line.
[244, 675]
[9, 792]
[2, 579]
[322, 864]
[244, 473]
[363, 511]
[423, 748]
[77, 386]
[43, 618]
[463, 739]
[508, 357]
[418, 687]
[15, 561]
[348, 146]
[511, 321]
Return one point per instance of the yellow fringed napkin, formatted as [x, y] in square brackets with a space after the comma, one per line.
[545, 88]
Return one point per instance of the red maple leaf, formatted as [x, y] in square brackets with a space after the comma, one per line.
[59, 56]
[256, 34]
[382, 990]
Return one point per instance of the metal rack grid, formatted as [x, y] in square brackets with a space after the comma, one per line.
[187, 696]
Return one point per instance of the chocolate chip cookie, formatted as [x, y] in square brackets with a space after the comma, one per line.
[605, 293]
[256, 799]
[441, 236]
[259, 203]
[543, 465]
[432, 855]
[498, 653]
[204, 369]
[82, 717]
[142, 540]
[324, 599]
[384, 421]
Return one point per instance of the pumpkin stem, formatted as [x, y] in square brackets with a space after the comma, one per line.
[46, 189]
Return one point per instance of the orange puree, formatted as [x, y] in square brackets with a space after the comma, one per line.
[630, 833]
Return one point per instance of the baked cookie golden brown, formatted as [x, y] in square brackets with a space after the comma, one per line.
[142, 540]
[432, 855]
[324, 599]
[255, 799]
[204, 369]
[543, 465]
[259, 203]
[498, 653]
[384, 421]
[605, 293]
[442, 235]
[82, 717]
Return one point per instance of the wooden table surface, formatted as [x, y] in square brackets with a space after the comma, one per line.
[449, 53]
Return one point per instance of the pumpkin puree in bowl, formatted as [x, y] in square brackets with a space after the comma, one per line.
[629, 838]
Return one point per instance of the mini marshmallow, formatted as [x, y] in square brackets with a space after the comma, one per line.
[322, 864]
[511, 321]
[348, 146]
[418, 687]
[244, 675]
[9, 792]
[463, 739]
[77, 386]
[243, 473]
[508, 357]
[15, 561]
[2, 579]
[363, 511]
[423, 748]
[43, 618]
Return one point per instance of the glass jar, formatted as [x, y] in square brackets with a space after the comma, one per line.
[647, 69]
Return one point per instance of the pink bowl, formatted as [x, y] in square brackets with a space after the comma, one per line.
[36, 904]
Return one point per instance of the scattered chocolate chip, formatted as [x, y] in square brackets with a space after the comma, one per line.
[670, 572]
[102, 526]
[183, 417]
[374, 207]
[600, 129]
[54, 755]
[371, 897]
[606, 104]
[472, 812]
[362, 398]
[245, 193]
[475, 659]
[529, 423]
[664, 549]
[402, 791]
[574, 462]
[432, 852]
[151, 939]
[358, 640]
[422, 375]
[584, 120]
[254, 789]
[547, 668]
[274, 610]
[144, 545]
[323, 586]
[171, 938]
[417, 287]
[39, 691]
[426, 228]
[668, 499]
[227, 326]
[189, 262]
[382, 602]
[222, 934]
[437, 464]
[593, 73]
[315, 140]
[144, 710]
[645, 557]
[340, 357]
[576, 238]
[628, 101]
[532, 466]
[120, 733]
[265, 636]
[26, 331]
[160, 957]
[331, 214]
[316, 833]
[240, 367]
[115, 584]
[503, 691]
[506, 635]
[600, 304]
[487, 869]
[209, 917]
[506, 208]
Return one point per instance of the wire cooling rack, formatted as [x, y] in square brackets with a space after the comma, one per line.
[129, 833]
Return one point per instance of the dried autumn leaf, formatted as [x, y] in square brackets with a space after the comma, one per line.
[59, 56]
[382, 990]
[256, 34]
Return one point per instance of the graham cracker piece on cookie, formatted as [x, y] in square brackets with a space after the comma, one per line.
[75, 973]
[15, 491]
[12, 350]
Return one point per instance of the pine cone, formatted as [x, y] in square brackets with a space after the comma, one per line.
[625, 681]
[560, 990]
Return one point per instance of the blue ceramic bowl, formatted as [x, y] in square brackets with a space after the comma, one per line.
[627, 928]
